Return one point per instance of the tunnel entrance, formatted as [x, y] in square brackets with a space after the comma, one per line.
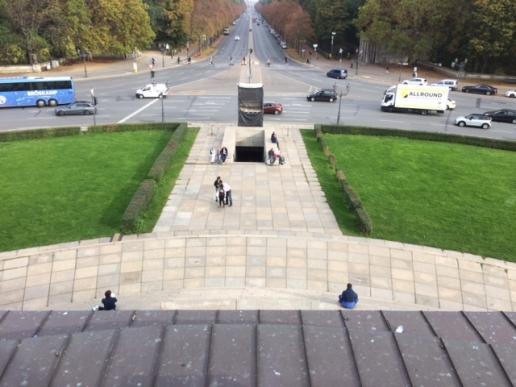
[249, 154]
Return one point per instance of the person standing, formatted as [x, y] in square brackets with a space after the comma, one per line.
[227, 192]
[348, 299]
[223, 154]
[217, 184]
[222, 202]
[274, 139]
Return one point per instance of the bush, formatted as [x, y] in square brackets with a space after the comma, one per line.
[163, 161]
[364, 221]
[418, 135]
[341, 176]
[17, 135]
[137, 206]
[333, 160]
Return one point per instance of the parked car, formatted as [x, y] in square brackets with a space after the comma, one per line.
[237, 37]
[76, 108]
[475, 120]
[153, 90]
[480, 89]
[283, 44]
[272, 108]
[502, 115]
[328, 95]
[415, 81]
[510, 93]
[226, 31]
[451, 104]
[453, 84]
[337, 73]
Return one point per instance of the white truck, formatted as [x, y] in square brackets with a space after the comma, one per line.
[416, 99]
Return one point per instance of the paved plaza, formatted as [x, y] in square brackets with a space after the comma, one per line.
[278, 246]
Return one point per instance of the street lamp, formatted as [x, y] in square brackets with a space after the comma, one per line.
[332, 37]
[315, 45]
[341, 94]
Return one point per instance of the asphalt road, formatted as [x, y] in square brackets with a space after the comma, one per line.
[204, 92]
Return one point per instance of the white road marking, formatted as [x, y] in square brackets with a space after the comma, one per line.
[137, 111]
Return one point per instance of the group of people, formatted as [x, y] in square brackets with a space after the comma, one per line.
[219, 156]
[222, 193]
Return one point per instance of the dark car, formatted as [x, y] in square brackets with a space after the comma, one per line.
[328, 95]
[502, 115]
[480, 89]
[76, 108]
[337, 73]
[272, 108]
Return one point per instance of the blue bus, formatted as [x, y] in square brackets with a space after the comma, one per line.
[36, 91]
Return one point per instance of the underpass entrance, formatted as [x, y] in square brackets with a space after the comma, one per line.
[249, 145]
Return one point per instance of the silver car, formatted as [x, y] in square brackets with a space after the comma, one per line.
[475, 120]
[76, 108]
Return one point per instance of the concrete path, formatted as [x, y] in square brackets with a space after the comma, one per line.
[286, 197]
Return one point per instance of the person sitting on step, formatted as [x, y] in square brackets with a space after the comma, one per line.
[348, 299]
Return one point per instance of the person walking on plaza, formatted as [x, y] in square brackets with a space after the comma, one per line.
[227, 192]
[348, 299]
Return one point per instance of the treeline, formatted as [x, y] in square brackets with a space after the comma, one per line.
[313, 21]
[39, 30]
[477, 35]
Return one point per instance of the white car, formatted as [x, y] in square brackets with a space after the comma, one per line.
[476, 120]
[153, 90]
[283, 45]
[451, 104]
[415, 81]
[510, 93]
[453, 84]
[237, 37]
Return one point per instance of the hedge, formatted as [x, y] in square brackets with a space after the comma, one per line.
[137, 206]
[17, 135]
[31, 134]
[133, 127]
[365, 223]
[163, 161]
[418, 135]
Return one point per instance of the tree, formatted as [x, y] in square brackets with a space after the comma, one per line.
[26, 17]
[494, 39]
[120, 26]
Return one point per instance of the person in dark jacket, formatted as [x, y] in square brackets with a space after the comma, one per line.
[348, 299]
[108, 301]
[274, 139]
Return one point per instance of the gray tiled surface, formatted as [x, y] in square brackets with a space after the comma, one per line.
[265, 348]
[286, 197]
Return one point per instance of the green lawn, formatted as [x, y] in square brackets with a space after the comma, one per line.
[70, 188]
[450, 196]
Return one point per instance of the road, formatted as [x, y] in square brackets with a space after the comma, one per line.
[208, 92]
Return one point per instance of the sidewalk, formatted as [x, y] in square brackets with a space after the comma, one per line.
[115, 68]
[392, 74]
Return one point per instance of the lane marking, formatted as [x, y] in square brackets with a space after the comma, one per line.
[138, 111]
